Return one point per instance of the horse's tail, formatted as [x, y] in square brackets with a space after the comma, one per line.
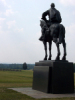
[61, 32]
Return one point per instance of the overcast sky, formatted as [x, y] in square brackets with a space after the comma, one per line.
[20, 30]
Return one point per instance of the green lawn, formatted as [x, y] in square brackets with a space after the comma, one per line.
[16, 78]
[9, 79]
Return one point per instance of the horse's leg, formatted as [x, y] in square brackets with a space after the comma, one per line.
[58, 54]
[64, 46]
[45, 47]
[50, 43]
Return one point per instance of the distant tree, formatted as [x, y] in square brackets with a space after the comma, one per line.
[24, 66]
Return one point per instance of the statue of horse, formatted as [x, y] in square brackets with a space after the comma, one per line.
[55, 33]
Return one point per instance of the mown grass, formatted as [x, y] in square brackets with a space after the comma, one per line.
[16, 79]
[9, 79]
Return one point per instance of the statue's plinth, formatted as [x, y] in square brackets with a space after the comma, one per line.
[53, 77]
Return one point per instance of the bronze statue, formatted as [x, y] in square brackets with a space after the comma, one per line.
[52, 30]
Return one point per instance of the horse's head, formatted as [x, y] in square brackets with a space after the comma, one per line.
[43, 23]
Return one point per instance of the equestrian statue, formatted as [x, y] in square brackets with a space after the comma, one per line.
[52, 30]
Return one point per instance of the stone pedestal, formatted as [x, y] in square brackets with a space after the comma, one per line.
[53, 77]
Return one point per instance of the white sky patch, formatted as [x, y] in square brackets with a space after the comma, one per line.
[39, 17]
[70, 41]
[1, 31]
[38, 34]
[5, 4]
[9, 12]
[73, 13]
[1, 13]
[11, 23]
[70, 30]
[20, 30]
[1, 20]
[68, 2]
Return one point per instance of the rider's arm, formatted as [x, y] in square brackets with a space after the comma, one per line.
[60, 20]
[45, 14]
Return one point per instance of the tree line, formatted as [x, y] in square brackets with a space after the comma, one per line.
[23, 66]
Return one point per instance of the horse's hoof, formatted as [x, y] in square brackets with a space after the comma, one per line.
[57, 58]
[45, 58]
[63, 58]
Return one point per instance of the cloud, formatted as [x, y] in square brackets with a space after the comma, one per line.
[5, 4]
[1, 20]
[20, 30]
[11, 23]
[1, 31]
[70, 34]
[68, 2]
[71, 30]
[70, 41]
[9, 12]
[73, 13]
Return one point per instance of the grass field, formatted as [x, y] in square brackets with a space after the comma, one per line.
[9, 79]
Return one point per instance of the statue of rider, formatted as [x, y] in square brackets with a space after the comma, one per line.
[54, 17]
